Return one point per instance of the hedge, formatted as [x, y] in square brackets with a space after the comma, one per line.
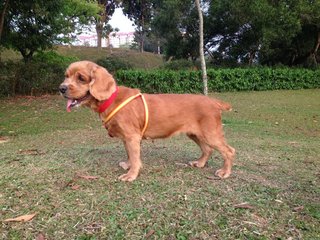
[41, 75]
[219, 80]
[46, 72]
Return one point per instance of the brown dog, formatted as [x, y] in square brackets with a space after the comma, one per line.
[198, 116]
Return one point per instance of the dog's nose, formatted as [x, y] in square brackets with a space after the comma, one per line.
[63, 89]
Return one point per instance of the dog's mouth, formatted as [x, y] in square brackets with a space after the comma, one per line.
[75, 102]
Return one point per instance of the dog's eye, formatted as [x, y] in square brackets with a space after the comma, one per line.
[81, 78]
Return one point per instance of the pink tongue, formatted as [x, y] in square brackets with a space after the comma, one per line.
[69, 105]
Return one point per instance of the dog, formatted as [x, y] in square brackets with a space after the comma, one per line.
[147, 116]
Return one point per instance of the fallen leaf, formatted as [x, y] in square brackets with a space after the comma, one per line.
[150, 233]
[29, 152]
[182, 164]
[213, 178]
[24, 218]
[244, 205]
[298, 209]
[4, 139]
[75, 187]
[40, 237]
[88, 177]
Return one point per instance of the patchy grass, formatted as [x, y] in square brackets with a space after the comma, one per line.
[136, 59]
[44, 152]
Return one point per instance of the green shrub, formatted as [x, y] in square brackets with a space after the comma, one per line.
[41, 75]
[53, 59]
[7, 76]
[113, 64]
[161, 81]
[256, 79]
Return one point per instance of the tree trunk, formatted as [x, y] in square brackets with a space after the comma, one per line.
[313, 53]
[203, 63]
[142, 42]
[251, 57]
[158, 47]
[142, 34]
[26, 54]
[3, 13]
[99, 27]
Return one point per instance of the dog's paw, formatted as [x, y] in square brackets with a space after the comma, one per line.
[124, 165]
[197, 164]
[222, 173]
[128, 177]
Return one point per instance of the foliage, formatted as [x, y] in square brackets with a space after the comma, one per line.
[113, 64]
[241, 32]
[176, 24]
[268, 32]
[141, 13]
[257, 79]
[41, 75]
[32, 26]
[103, 29]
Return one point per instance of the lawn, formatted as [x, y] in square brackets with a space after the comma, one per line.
[135, 58]
[63, 167]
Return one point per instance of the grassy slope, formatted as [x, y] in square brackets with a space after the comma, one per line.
[136, 59]
[276, 172]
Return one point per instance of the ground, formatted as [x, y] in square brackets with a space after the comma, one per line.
[135, 58]
[63, 167]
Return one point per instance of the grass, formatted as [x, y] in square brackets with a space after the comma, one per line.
[136, 59]
[276, 172]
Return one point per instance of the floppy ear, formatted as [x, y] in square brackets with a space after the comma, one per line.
[102, 84]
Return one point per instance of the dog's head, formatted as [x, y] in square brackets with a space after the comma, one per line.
[86, 81]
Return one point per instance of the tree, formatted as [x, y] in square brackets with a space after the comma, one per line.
[107, 8]
[266, 32]
[203, 62]
[33, 25]
[4, 8]
[140, 12]
[176, 22]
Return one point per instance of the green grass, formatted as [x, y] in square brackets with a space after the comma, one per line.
[136, 59]
[276, 135]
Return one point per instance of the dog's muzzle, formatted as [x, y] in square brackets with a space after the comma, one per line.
[63, 89]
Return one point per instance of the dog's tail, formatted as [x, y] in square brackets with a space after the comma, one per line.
[223, 106]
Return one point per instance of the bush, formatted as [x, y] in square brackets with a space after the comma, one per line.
[113, 64]
[7, 75]
[161, 81]
[53, 59]
[41, 75]
[257, 79]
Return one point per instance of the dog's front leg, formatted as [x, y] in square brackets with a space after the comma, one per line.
[132, 146]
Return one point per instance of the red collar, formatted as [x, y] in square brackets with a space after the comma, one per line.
[109, 101]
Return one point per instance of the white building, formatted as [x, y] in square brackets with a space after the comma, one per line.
[116, 40]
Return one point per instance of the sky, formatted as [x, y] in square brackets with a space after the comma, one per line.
[119, 20]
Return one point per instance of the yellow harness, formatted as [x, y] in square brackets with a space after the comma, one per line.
[124, 103]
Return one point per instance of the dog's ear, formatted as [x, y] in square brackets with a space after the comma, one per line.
[102, 84]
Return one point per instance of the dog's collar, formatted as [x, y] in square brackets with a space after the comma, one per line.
[108, 101]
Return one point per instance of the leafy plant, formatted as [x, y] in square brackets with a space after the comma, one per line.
[220, 80]
[113, 64]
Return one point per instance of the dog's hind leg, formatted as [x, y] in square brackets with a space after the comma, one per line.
[132, 146]
[206, 152]
[228, 154]
[213, 136]
[216, 140]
